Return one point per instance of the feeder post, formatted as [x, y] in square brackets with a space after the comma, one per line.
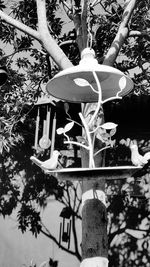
[94, 224]
[94, 213]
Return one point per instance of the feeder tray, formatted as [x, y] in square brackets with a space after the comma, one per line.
[109, 173]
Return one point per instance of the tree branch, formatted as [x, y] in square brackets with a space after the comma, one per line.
[69, 201]
[68, 9]
[75, 238]
[20, 26]
[78, 28]
[125, 230]
[43, 35]
[48, 42]
[121, 34]
[105, 9]
[145, 34]
[84, 17]
[112, 235]
[49, 235]
[20, 50]
[94, 3]
[75, 196]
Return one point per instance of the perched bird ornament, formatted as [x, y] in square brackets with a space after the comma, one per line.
[47, 165]
[136, 158]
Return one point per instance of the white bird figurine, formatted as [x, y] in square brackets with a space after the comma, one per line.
[136, 158]
[49, 164]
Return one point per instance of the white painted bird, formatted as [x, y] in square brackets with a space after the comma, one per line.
[49, 164]
[136, 158]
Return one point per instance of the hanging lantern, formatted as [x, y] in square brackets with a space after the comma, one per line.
[74, 84]
[3, 75]
[65, 226]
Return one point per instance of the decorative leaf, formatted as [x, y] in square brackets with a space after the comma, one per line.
[66, 107]
[81, 82]
[68, 126]
[109, 125]
[60, 130]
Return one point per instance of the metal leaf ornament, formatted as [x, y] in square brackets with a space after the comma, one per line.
[109, 125]
[68, 126]
[66, 129]
[105, 132]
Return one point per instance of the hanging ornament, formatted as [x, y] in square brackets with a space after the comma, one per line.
[43, 123]
[37, 129]
[53, 134]
[45, 142]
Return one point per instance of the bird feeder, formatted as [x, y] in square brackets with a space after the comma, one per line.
[3, 75]
[65, 226]
[85, 83]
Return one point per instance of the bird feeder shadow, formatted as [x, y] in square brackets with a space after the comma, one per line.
[65, 226]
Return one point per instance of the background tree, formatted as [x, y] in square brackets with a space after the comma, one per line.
[120, 37]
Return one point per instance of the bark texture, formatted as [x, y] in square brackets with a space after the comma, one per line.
[94, 223]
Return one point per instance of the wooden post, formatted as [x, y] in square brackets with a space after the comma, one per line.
[94, 224]
[94, 214]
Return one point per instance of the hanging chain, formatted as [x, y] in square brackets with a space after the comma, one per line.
[89, 34]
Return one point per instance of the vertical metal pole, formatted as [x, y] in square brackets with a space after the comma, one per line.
[53, 135]
[37, 129]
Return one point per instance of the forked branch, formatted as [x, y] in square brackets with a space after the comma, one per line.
[121, 35]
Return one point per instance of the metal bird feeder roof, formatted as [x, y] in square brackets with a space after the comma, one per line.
[74, 84]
